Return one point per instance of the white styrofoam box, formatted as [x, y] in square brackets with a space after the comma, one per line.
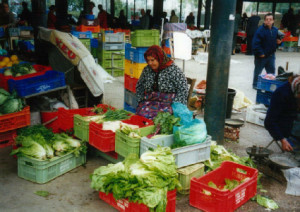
[184, 156]
[256, 114]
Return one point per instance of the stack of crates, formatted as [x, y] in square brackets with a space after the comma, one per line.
[84, 37]
[111, 52]
[290, 44]
[135, 62]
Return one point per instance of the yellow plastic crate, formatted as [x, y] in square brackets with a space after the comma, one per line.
[134, 69]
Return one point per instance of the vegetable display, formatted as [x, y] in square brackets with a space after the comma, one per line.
[20, 70]
[114, 115]
[9, 103]
[230, 184]
[39, 142]
[146, 180]
[218, 154]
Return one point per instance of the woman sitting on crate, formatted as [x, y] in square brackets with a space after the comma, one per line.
[160, 84]
[281, 120]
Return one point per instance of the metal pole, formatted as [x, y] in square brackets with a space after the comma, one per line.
[222, 25]
[199, 13]
[207, 14]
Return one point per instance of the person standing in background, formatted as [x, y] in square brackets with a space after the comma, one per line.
[235, 31]
[151, 21]
[144, 20]
[51, 17]
[25, 16]
[6, 16]
[244, 21]
[265, 42]
[190, 20]
[102, 17]
[122, 21]
[251, 28]
[289, 21]
[173, 18]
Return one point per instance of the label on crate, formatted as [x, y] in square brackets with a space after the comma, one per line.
[43, 88]
[65, 165]
[123, 204]
[273, 87]
[240, 196]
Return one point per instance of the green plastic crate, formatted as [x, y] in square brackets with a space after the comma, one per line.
[94, 52]
[290, 43]
[144, 38]
[39, 171]
[185, 175]
[107, 55]
[81, 128]
[86, 43]
[125, 145]
[115, 72]
[95, 35]
[116, 63]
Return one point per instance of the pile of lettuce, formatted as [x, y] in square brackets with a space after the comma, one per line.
[146, 180]
[41, 143]
[218, 154]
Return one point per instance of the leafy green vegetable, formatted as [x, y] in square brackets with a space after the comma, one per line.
[37, 129]
[22, 69]
[11, 105]
[266, 202]
[165, 121]
[114, 115]
[144, 180]
[42, 193]
[3, 95]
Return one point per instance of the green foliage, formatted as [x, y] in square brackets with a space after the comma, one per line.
[165, 121]
[266, 202]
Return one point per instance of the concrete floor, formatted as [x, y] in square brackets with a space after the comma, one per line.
[72, 192]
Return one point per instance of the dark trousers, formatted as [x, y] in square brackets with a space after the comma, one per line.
[260, 63]
[249, 45]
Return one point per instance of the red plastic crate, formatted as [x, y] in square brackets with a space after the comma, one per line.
[126, 31]
[130, 83]
[40, 71]
[93, 29]
[53, 117]
[66, 117]
[104, 140]
[125, 206]
[218, 200]
[16, 120]
[7, 138]
[112, 154]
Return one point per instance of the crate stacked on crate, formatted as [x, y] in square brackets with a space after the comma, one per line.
[111, 53]
[290, 44]
[265, 88]
[135, 62]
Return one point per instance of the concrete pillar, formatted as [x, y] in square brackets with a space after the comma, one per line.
[207, 14]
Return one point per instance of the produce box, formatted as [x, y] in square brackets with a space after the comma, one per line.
[125, 145]
[124, 205]
[112, 157]
[133, 69]
[127, 51]
[185, 175]
[290, 43]
[185, 155]
[115, 72]
[268, 85]
[130, 98]
[15, 120]
[42, 171]
[104, 140]
[116, 63]
[94, 43]
[87, 34]
[207, 198]
[112, 46]
[137, 54]
[263, 97]
[126, 31]
[130, 83]
[66, 117]
[290, 39]
[118, 37]
[93, 29]
[51, 118]
[7, 138]
[144, 38]
[86, 43]
[34, 85]
[107, 55]
[81, 127]
[40, 70]
[129, 108]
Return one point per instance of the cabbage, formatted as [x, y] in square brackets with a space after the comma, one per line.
[11, 106]
[3, 95]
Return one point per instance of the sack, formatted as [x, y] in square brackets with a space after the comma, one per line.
[180, 110]
[155, 102]
[191, 133]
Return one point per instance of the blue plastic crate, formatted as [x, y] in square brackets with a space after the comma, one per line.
[26, 28]
[130, 99]
[263, 97]
[94, 43]
[49, 81]
[27, 45]
[87, 34]
[129, 108]
[2, 32]
[268, 85]
[135, 22]
[89, 17]
[137, 54]
[127, 51]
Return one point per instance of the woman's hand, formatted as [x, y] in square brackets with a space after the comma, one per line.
[286, 146]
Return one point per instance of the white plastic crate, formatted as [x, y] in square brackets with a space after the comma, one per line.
[256, 114]
[118, 37]
[184, 156]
